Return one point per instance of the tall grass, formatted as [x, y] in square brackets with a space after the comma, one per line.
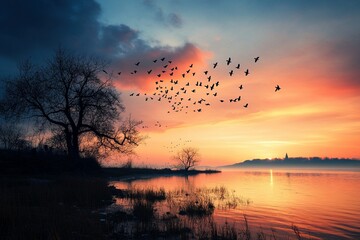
[150, 194]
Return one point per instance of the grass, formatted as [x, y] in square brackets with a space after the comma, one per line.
[197, 208]
[150, 194]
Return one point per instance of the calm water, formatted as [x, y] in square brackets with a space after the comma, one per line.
[322, 204]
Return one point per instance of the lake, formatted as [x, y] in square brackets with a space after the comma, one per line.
[321, 204]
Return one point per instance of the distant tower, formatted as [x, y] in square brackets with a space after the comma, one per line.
[286, 156]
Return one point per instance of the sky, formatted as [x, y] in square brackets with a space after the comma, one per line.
[311, 49]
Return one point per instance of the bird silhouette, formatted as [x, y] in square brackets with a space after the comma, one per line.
[277, 88]
[228, 61]
[105, 71]
[178, 95]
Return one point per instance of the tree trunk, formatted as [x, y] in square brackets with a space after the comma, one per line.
[72, 144]
[68, 142]
[75, 145]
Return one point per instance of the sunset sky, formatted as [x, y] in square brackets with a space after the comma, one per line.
[311, 49]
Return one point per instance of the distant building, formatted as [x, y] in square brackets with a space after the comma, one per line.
[286, 156]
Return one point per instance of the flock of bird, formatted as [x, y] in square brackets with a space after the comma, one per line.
[174, 145]
[187, 90]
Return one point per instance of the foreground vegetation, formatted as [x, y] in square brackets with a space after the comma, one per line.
[43, 196]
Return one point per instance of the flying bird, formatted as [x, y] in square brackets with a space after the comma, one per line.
[231, 73]
[105, 71]
[215, 64]
[137, 64]
[246, 72]
[228, 61]
[163, 59]
[246, 105]
[256, 59]
[238, 66]
[149, 71]
[277, 88]
[241, 87]
[119, 73]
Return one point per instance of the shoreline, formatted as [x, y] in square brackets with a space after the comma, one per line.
[132, 174]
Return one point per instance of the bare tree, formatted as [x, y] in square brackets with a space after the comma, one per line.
[187, 158]
[67, 98]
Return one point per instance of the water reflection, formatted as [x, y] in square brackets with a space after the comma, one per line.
[322, 204]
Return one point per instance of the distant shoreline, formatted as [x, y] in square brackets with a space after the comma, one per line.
[298, 162]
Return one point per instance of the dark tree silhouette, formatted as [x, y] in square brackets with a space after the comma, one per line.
[187, 158]
[67, 97]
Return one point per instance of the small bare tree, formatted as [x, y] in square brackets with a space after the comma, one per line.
[187, 158]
